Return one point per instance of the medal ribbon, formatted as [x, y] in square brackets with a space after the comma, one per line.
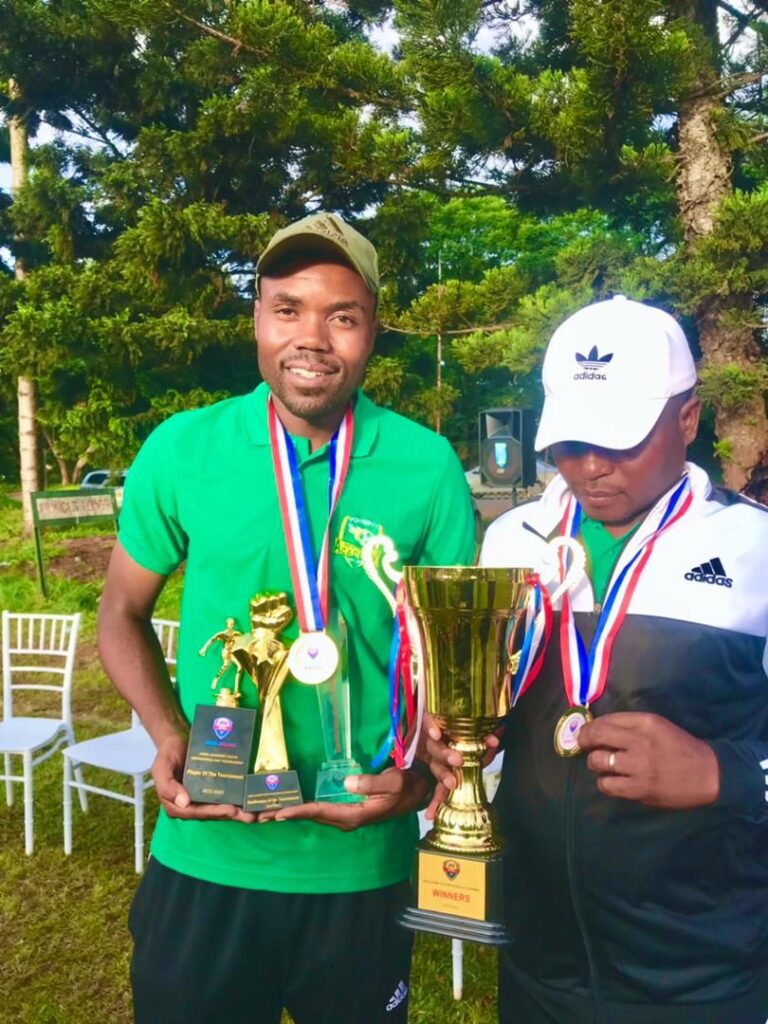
[404, 711]
[539, 620]
[585, 675]
[310, 581]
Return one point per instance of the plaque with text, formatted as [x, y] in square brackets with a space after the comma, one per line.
[219, 753]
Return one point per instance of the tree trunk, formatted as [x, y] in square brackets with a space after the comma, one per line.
[61, 462]
[29, 447]
[703, 182]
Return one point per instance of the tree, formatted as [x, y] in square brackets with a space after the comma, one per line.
[644, 110]
[207, 125]
[29, 457]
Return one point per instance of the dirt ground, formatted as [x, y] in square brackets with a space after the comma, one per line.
[85, 559]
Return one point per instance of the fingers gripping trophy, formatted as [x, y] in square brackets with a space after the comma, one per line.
[481, 638]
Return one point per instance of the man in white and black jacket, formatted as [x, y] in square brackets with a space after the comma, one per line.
[634, 795]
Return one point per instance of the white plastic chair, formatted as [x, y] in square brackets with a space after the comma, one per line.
[35, 645]
[129, 752]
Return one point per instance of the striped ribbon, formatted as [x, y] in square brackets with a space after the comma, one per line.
[406, 709]
[585, 674]
[538, 627]
[310, 580]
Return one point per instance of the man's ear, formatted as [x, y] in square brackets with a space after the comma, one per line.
[256, 308]
[690, 413]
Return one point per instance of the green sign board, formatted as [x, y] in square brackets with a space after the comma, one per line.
[68, 508]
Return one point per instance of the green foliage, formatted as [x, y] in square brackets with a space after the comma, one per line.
[502, 189]
[723, 449]
[732, 386]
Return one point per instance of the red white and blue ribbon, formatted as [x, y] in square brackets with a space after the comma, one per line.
[406, 688]
[538, 629]
[585, 674]
[310, 580]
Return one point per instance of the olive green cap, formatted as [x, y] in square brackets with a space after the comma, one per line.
[324, 231]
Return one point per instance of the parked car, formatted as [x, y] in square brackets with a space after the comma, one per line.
[104, 478]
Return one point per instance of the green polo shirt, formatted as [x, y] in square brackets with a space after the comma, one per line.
[202, 489]
[603, 552]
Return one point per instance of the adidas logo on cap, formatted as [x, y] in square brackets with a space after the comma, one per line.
[592, 364]
[710, 572]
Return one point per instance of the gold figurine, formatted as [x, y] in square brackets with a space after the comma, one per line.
[225, 698]
[227, 638]
[265, 658]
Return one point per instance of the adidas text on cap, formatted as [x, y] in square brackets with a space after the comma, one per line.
[608, 373]
[323, 231]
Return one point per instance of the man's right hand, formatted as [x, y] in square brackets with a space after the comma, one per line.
[167, 771]
[443, 761]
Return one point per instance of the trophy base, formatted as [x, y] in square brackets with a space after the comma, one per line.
[489, 933]
[269, 791]
[330, 782]
[458, 895]
[218, 754]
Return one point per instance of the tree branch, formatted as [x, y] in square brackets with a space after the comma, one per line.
[236, 44]
[491, 329]
[742, 18]
[100, 133]
[240, 44]
[728, 85]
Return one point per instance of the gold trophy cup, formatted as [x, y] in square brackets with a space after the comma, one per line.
[466, 615]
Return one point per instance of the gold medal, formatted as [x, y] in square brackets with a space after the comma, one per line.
[567, 731]
[313, 658]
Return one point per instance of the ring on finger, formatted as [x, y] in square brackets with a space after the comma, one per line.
[612, 761]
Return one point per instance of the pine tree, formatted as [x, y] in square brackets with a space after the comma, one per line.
[638, 108]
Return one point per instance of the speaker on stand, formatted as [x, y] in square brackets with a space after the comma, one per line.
[507, 457]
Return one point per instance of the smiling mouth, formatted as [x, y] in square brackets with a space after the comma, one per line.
[306, 374]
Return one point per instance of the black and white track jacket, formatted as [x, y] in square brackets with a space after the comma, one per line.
[648, 905]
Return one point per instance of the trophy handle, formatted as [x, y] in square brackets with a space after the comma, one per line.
[575, 570]
[389, 556]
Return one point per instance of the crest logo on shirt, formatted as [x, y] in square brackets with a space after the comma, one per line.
[353, 533]
[592, 364]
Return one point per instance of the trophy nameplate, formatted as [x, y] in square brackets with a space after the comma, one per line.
[219, 753]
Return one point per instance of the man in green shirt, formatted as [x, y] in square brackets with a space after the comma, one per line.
[235, 917]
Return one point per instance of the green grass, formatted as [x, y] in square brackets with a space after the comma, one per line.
[64, 943]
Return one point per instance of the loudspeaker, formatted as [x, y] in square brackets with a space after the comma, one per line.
[507, 458]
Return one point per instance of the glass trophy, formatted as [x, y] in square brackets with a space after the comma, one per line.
[333, 698]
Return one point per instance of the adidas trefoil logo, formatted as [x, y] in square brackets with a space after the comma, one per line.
[397, 996]
[710, 572]
[592, 364]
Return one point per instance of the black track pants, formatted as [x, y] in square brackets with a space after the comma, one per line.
[205, 953]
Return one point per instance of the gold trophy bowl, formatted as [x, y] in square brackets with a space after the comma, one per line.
[466, 615]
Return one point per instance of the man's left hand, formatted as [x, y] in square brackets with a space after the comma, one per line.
[644, 757]
[390, 795]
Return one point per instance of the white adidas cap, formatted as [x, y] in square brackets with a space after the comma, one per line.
[608, 373]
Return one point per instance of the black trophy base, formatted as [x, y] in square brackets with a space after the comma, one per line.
[269, 791]
[490, 933]
[458, 895]
[218, 754]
